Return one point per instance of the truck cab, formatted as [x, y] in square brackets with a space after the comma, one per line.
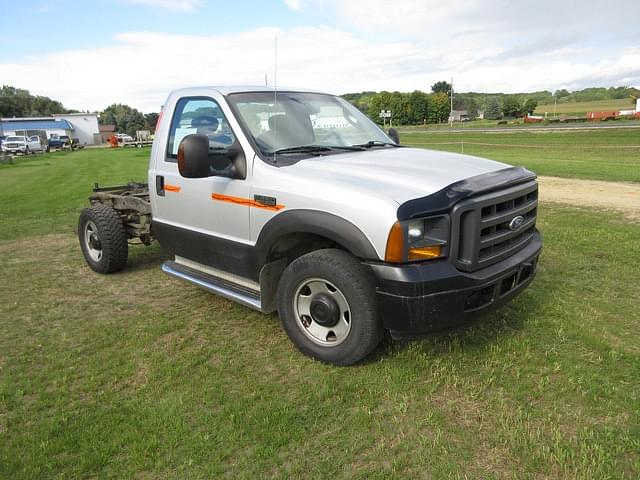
[294, 201]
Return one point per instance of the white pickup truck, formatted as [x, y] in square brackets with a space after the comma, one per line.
[22, 144]
[295, 201]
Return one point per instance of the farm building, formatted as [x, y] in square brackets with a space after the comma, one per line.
[83, 126]
[106, 131]
[459, 116]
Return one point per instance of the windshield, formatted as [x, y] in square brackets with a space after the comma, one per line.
[293, 120]
[14, 139]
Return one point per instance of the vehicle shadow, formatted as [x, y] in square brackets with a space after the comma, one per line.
[143, 258]
[479, 332]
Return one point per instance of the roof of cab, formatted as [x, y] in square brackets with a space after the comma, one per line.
[229, 89]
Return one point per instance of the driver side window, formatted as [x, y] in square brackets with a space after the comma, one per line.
[201, 116]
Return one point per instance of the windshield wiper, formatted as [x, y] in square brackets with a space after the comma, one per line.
[316, 149]
[375, 143]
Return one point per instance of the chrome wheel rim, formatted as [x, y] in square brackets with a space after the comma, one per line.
[92, 241]
[322, 312]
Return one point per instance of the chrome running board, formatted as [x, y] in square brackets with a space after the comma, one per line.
[238, 293]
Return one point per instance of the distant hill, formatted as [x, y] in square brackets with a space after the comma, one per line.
[581, 108]
[543, 97]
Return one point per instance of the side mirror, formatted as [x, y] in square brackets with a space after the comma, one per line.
[193, 156]
[393, 133]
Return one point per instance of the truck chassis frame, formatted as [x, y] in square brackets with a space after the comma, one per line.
[131, 202]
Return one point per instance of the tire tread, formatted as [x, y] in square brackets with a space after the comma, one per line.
[351, 273]
[115, 249]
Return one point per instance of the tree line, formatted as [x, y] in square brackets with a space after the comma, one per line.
[127, 119]
[17, 102]
[412, 108]
[419, 107]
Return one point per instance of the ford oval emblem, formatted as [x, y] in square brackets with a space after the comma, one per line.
[516, 222]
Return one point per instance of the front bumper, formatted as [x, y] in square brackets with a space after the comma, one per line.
[14, 149]
[416, 299]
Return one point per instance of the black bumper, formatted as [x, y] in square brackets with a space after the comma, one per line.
[418, 299]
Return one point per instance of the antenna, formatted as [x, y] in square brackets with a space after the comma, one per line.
[451, 108]
[275, 93]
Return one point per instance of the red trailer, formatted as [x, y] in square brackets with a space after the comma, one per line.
[607, 115]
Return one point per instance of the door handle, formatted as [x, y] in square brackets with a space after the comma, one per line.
[160, 185]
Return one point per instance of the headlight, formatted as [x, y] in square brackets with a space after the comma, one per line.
[416, 230]
[423, 239]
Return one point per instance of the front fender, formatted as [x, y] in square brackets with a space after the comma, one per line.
[335, 228]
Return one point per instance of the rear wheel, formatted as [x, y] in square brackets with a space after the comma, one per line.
[327, 305]
[103, 239]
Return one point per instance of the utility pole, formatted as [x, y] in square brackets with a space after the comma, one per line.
[451, 109]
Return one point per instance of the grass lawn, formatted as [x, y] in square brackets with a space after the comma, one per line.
[609, 154]
[138, 375]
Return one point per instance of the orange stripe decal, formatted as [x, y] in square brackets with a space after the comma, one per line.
[245, 201]
[172, 188]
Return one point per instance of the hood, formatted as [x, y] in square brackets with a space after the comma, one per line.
[399, 173]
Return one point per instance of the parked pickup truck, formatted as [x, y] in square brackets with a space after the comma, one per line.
[59, 141]
[22, 144]
[294, 201]
[62, 142]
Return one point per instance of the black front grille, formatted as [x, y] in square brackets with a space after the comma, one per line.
[484, 227]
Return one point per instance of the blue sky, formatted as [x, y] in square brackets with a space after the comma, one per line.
[93, 53]
[94, 22]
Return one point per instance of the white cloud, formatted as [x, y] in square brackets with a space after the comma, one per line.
[140, 68]
[501, 27]
[176, 5]
[293, 4]
[45, 7]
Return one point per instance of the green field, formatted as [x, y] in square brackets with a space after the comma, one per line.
[137, 375]
[580, 108]
[606, 154]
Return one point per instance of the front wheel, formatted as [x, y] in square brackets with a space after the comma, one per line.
[103, 239]
[327, 305]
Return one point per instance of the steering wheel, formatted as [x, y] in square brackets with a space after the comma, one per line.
[338, 138]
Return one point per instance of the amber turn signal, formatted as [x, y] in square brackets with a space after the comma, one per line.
[395, 244]
[425, 253]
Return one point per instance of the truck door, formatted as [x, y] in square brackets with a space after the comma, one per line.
[202, 226]
[34, 143]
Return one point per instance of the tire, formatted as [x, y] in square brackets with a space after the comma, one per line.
[26, 151]
[328, 308]
[103, 239]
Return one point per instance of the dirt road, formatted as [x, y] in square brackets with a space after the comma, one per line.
[620, 196]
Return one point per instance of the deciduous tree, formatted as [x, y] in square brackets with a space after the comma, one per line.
[511, 106]
[439, 108]
[441, 87]
[492, 110]
[529, 106]
[125, 118]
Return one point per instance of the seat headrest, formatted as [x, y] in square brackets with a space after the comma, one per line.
[208, 122]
